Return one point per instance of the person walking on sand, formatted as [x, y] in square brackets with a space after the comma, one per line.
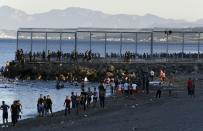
[170, 87]
[49, 105]
[77, 102]
[159, 88]
[193, 89]
[95, 94]
[67, 105]
[83, 99]
[189, 86]
[101, 95]
[40, 105]
[14, 112]
[73, 100]
[89, 97]
[5, 108]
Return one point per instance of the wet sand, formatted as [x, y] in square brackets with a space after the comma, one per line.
[141, 113]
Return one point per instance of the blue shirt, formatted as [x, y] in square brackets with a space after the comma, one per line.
[4, 108]
[159, 87]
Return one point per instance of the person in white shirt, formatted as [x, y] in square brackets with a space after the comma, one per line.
[126, 88]
[134, 88]
[152, 75]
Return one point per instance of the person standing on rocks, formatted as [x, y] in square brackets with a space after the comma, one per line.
[5, 108]
[189, 86]
[101, 95]
[67, 105]
[159, 88]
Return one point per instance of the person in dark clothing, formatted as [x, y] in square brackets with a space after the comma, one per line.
[101, 95]
[43, 55]
[77, 102]
[67, 105]
[19, 109]
[95, 97]
[49, 105]
[5, 108]
[89, 97]
[159, 88]
[73, 100]
[84, 99]
[14, 112]
[147, 86]
[40, 105]
[30, 55]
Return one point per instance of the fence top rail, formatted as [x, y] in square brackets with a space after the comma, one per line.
[78, 30]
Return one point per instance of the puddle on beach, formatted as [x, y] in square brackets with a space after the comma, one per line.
[28, 93]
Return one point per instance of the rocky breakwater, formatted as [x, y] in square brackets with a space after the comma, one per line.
[94, 71]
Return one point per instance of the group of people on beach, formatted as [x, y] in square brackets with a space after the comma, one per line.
[76, 101]
[16, 110]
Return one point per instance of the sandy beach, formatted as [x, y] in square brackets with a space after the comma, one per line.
[141, 112]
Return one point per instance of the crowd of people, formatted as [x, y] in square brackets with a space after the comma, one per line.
[88, 98]
[89, 55]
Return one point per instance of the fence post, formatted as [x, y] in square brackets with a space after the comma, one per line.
[46, 43]
[199, 46]
[121, 43]
[152, 43]
[31, 41]
[90, 41]
[75, 41]
[17, 40]
[60, 41]
[136, 45]
[183, 46]
[105, 45]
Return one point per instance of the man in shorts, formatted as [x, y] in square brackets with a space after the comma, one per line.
[5, 108]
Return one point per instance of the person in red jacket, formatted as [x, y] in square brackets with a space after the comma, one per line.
[189, 86]
[67, 105]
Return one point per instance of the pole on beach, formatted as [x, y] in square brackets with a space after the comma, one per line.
[60, 41]
[121, 43]
[199, 45]
[31, 41]
[17, 40]
[105, 44]
[152, 43]
[183, 45]
[167, 45]
[90, 41]
[46, 41]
